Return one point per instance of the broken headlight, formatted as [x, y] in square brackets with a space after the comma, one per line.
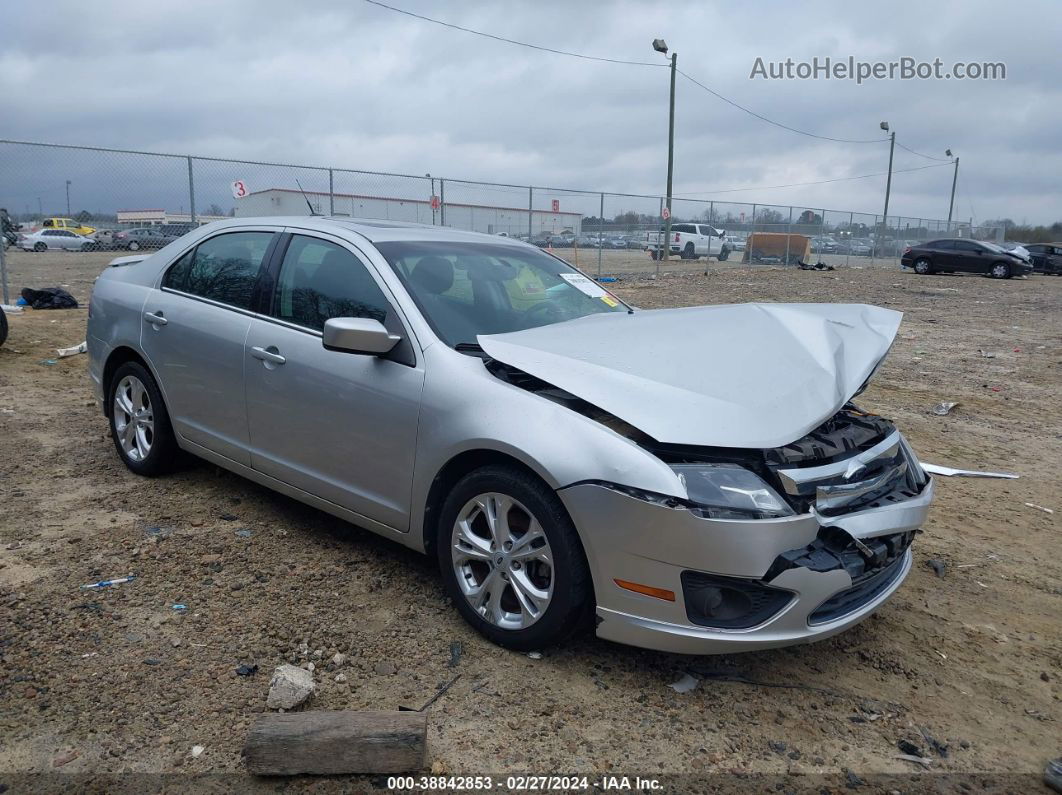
[729, 491]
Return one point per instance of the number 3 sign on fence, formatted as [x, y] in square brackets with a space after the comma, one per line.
[239, 189]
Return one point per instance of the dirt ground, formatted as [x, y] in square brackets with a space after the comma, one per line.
[98, 683]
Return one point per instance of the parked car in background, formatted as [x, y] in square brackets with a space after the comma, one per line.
[693, 480]
[44, 239]
[959, 255]
[616, 242]
[823, 245]
[68, 225]
[735, 242]
[1016, 248]
[142, 237]
[1046, 258]
[689, 241]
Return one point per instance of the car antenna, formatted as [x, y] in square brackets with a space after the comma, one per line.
[307, 198]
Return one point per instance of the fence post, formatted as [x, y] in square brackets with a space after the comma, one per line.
[788, 232]
[600, 234]
[442, 202]
[331, 193]
[848, 251]
[3, 272]
[822, 227]
[530, 212]
[191, 192]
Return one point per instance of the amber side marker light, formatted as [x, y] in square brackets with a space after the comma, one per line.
[647, 590]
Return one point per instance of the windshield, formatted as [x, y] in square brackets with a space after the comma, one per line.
[468, 289]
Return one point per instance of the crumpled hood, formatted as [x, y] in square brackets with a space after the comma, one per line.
[739, 375]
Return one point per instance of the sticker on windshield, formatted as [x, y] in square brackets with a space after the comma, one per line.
[584, 285]
[608, 299]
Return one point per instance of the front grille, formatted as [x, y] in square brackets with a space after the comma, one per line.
[864, 590]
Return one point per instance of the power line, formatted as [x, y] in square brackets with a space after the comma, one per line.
[512, 41]
[802, 184]
[778, 123]
[927, 157]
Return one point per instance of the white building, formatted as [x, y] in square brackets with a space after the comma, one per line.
[473, 217]
[160, 217]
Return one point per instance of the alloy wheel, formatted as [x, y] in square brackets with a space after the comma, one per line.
[922, 267]
[1000, 271]
[134, 420]
[502, 560]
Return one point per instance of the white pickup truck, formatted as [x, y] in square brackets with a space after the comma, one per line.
[689, 241]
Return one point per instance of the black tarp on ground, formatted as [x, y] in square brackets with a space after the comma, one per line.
[49, 298]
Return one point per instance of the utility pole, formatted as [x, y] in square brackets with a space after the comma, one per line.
[888, 185]
[68, 198]
[665, 248]
[954, 179]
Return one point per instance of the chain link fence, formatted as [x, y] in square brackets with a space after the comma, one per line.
[111, 191]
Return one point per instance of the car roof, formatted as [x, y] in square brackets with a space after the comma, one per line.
[375, 231]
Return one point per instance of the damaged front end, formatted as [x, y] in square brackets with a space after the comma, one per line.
[854, 497]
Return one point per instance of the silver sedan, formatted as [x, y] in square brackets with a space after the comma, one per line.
[695, 480]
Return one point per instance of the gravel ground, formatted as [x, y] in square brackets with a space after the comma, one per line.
[118, 681]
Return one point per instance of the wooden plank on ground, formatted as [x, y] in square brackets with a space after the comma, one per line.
[328, 743]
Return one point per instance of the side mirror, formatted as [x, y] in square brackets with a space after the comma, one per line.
[358, 335]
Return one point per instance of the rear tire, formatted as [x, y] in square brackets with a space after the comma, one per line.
[140, 424]
[493, 594]
[689, 252]
[3, 327]
[133, 246]
[922, 267]
[723, 255]
[39, 247]
[1000, 270]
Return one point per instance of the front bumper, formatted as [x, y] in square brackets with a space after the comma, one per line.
[627, 538]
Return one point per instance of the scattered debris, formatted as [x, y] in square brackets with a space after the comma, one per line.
[341, 678]
[455, 653]
[179, 607]
[48, 298]
[940, 748]
[197, 750]
[336, 743]
[289, 687]
[937, 565]
[986, 354]
[908, 747]
[943, 409]
[1039, 507]
[438, 694]
[246, 670]
[535, 655]
[916, 759]
[65, 757]
[685, 683]
[152, 661]
[227, 517]
[158, 531]
[81, 347]
[777, 746]
[338, 659]
[936, 469]
[244, 533]
[48, 362]
[107, 583]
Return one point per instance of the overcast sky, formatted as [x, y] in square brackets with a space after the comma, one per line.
[346, 83]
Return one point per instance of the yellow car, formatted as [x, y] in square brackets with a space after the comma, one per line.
[69, 224]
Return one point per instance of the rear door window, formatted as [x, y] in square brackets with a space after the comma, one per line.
[224, 268]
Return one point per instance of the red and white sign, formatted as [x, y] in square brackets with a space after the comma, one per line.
[556, 205]
[436, 202]
[665, 213]
[239, 189]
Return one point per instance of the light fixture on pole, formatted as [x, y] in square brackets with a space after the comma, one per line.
[665, 245]
[954, 179]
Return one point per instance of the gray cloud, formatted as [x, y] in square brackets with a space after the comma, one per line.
[349, 84]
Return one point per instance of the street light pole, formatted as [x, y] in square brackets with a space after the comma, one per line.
[888, 184]
[68, 197]
[665, 245]
[954, 179]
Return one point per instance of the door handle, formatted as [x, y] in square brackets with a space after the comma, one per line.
[156, 319]
[267, 356]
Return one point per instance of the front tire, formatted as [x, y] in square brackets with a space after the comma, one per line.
[39, 247]
[511, 560]
[689, 252]
[133, 246]
[1000, 270]
[922, 267]
[140, 424]
[3, 327]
